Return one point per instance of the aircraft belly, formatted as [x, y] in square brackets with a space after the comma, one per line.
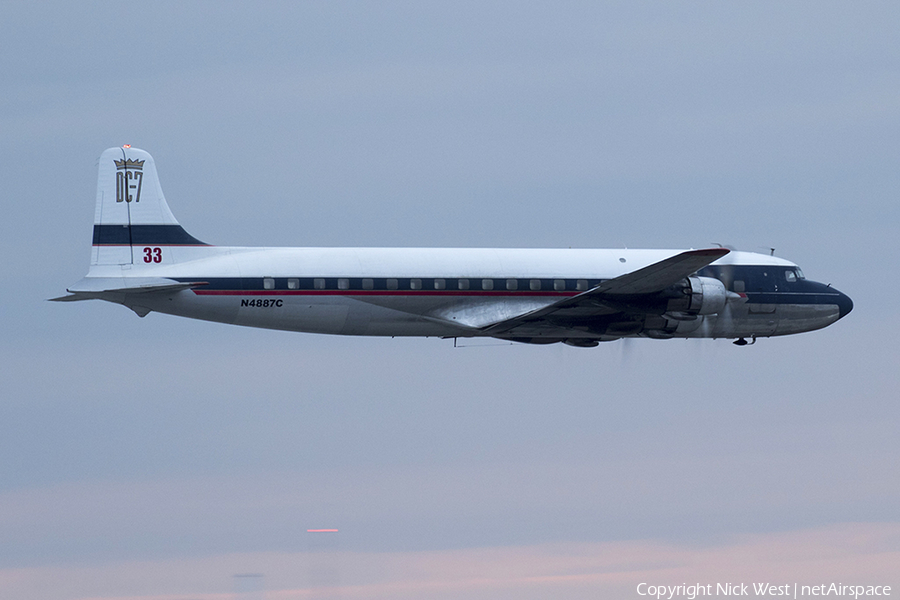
[403, 316]
[797, 318]
[740, 321]
[310, 314]
[186, 304]
[764, 320]
[336, 315]
[453, 317]
[299, 316]
[465, 311]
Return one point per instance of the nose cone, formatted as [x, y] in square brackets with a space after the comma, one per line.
[845, 305]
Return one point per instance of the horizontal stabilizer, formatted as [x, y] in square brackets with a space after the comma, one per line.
[91, 288]
[71, 298]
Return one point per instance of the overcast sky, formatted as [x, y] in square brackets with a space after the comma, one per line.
[161, 457]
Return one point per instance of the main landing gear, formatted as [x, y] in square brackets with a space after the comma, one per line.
[743, 342]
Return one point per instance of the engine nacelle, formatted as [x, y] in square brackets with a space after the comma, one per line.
[702, 296]
[708, 295]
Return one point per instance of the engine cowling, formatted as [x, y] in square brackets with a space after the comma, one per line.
[702, 296]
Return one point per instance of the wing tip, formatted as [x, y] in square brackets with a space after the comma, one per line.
[717, 252]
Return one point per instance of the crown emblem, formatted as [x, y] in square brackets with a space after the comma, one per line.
[129, 164]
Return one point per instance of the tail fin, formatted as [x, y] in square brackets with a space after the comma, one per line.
[132, 214]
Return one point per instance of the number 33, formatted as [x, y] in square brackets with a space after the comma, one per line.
[153, 255]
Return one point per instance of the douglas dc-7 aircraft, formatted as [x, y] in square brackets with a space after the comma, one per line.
[142, 258]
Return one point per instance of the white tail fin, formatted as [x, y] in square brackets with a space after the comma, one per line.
[132, 216]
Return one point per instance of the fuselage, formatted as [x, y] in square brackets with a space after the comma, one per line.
[453, 292]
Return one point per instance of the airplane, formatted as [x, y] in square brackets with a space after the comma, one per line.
[143, 259]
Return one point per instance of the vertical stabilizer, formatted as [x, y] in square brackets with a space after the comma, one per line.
[131, 212]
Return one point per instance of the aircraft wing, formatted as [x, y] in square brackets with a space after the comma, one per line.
[607, 298]
[658, 276]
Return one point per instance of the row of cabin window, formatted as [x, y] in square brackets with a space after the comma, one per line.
[559, 285]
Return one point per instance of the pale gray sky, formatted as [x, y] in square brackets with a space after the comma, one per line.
[145, 457]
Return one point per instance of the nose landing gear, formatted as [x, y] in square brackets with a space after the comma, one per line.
[743, 342]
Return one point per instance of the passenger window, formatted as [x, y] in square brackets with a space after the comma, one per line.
[512, 284]
[463, 284]
[415, 284]
[293, 284]
[268, 283]
[739, 286]
[343, 284]
[487, 284]
[559, 285]
[535, 284]
[790, 276]
[392, 284]
[368, 284]
[319, 284]
[440, 284]
[581, 285]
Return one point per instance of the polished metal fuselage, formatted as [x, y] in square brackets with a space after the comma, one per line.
[459, 292]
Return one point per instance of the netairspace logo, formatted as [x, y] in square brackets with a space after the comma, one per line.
[787, 590]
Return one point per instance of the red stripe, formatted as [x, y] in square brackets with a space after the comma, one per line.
[375, 293]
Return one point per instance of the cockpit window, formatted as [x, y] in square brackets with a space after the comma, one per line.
[790, 276]
[800, 274]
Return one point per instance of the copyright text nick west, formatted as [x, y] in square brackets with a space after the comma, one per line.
[786, 590]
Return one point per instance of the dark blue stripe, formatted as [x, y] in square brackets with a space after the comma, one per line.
[147, 235]
[380, 284]
[793, 298]
[255, 284]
